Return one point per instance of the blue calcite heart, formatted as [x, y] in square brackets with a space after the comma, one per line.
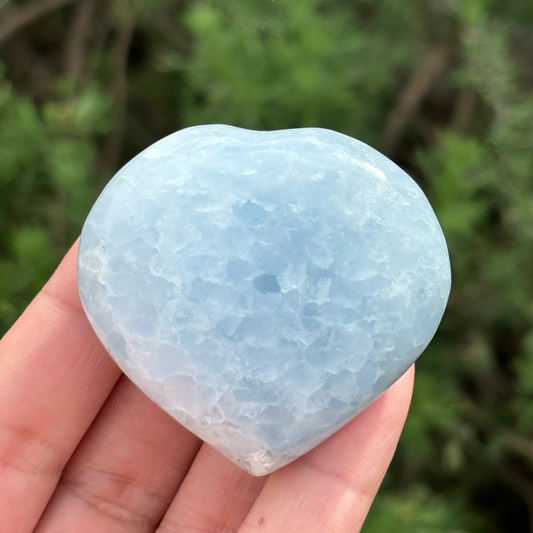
[263, 287]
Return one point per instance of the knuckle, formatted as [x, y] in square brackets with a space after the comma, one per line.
[117, 497]
[27, 453]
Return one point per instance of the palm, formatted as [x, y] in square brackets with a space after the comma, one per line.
[82, 450]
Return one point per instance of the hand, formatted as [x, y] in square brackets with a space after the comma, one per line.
[83, 450]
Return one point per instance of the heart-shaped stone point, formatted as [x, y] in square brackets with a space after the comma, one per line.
[263, 287]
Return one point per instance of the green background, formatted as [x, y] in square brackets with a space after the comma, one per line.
[443, 87]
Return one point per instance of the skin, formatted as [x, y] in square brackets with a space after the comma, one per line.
[83, 450]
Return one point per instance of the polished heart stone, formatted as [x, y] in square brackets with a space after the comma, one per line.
[263, 287]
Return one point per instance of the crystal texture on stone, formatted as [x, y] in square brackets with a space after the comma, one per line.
[263, 287]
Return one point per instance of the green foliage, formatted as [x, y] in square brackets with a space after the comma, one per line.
[26, 270]
[46, 160]
[149, 67]
[418, 511]
[487, 62]
[433, 409]
[269, 65]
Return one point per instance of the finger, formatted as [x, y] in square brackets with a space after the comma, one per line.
[126, 471]
[54, 377]
[215, 496]
[331, 488]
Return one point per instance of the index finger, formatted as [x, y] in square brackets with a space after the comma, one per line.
[54, 377]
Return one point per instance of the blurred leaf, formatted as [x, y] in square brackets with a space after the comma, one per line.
[68, 161]
[418, 511]
[434, 408]
[251, 61]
